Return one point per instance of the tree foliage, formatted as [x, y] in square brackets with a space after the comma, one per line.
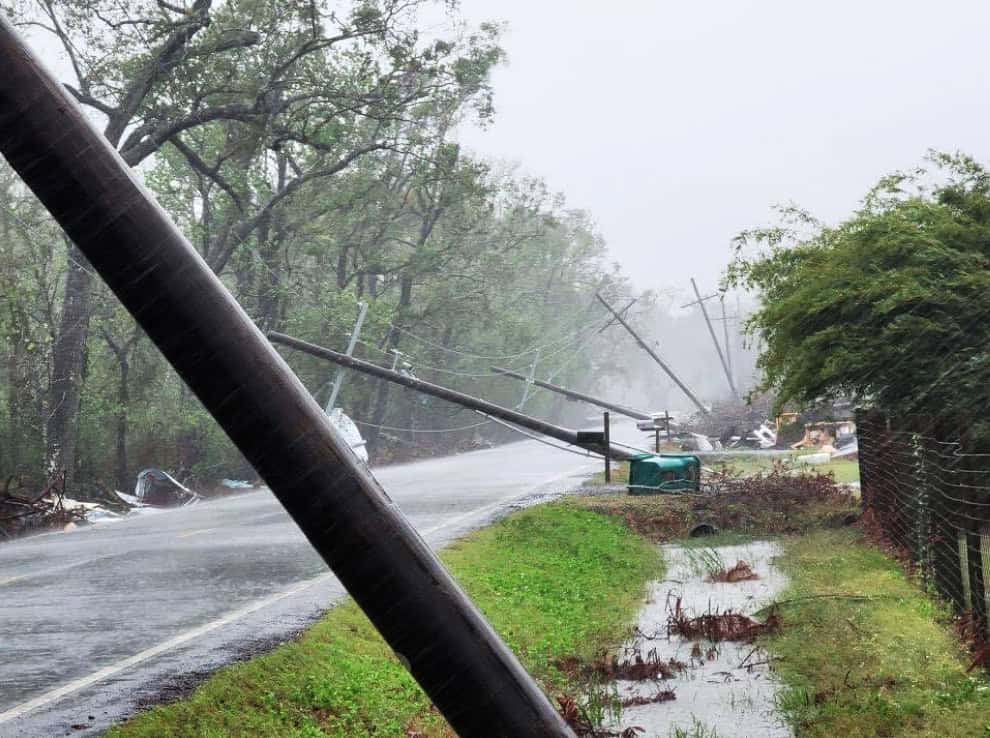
[308, 150]
[890, 306]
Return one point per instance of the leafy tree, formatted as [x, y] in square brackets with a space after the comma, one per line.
[890, 306]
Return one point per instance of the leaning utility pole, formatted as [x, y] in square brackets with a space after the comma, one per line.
[725, 332]
[434, 629]
[573, 437]
[572, 395]
[351, 345]
[711, 331]
[655, 357]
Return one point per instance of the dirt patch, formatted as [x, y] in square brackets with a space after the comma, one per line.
[774, 502]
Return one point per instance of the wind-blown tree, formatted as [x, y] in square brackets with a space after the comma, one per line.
[313, 166]
[293, 93]
[890, 306]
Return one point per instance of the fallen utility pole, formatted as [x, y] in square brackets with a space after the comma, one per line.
[567, 435]
[571, 394]
[435, 630]
[711, 331]
[655, 357]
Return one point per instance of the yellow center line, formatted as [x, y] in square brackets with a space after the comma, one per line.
[191, 533]
[11, 580]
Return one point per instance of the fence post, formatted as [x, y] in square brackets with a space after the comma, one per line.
[608, 455]
[967, 585]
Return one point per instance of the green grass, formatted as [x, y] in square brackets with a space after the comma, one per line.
[555, 581]
[697, 730]
[889, 665]
[844, 470]
[620, 475]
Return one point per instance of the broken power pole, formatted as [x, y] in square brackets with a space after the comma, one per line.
[656, 358]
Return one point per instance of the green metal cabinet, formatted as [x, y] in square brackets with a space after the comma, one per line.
[650, 474]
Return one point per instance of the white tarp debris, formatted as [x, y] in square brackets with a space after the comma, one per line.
[765, 435]
[349, 430]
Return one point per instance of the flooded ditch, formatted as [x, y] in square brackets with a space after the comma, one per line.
[692, 668]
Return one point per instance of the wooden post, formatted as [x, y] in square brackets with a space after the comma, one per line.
[967, 586]
[658, 440]
[608, 456]
[434, 629]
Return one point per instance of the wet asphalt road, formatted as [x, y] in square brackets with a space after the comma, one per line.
[96, 622]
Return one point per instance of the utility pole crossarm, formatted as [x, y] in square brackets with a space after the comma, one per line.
[458, 398]
[422, 613]
[655, 357]
[571, 394]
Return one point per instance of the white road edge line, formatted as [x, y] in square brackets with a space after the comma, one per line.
[115, 668]
[148, 653]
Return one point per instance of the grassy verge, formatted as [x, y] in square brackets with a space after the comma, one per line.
[620, 475]
[844, 470]
[865, 653]
[555, 581]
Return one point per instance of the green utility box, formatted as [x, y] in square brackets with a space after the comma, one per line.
[650, 474]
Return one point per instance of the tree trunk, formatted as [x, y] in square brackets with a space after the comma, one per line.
[65, 389]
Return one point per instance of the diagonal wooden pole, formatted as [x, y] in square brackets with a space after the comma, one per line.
[653, 355]
[435, 630]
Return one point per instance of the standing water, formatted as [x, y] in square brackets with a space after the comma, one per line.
[723, 689]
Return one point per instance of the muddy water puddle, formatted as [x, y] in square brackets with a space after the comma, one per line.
[724, 688]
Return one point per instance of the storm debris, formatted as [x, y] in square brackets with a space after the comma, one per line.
[611, 667]
[160, 489]
[662, 695]
[741, 572]
[23, 511]
[719, 626]
[581, 723]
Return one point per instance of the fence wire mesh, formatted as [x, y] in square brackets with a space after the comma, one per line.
[930, 497]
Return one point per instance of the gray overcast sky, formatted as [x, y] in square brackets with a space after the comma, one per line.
[679, 124]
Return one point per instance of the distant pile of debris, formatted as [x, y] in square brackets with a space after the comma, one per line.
[23, 512]
[829, 433]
